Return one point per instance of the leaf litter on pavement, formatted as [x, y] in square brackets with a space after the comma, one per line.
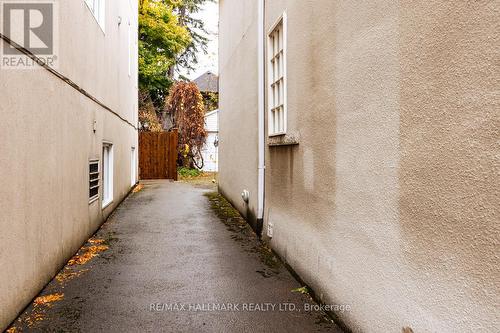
[73, 269]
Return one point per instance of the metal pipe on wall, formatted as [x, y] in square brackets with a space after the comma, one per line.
[261, 116]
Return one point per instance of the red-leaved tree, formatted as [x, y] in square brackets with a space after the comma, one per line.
[187, 113]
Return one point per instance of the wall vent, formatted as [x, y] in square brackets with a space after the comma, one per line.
[93, 180]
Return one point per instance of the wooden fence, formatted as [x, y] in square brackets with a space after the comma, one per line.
[158, 155]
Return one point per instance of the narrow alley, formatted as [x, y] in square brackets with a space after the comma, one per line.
[174, 257]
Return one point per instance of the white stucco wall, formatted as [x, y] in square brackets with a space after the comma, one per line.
[389, 202]
[238, 104]
[48, 140]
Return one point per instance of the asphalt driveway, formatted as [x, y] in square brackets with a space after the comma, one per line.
[173, 258]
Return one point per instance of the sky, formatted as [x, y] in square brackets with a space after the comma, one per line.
[207, 62]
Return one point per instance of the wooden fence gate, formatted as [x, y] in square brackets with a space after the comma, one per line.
[158, 155]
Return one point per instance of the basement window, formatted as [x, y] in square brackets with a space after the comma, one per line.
[277, 85]
[107, 174]
[93, 180]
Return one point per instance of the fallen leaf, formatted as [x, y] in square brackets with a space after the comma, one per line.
[90, 252]
[97, 241]
[47, 299]
[138, 188]
[65, 276]
[302, 290]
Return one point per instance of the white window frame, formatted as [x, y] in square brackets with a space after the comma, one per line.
[277, 84]
[98, 10]
[133, 167]
[107, 174]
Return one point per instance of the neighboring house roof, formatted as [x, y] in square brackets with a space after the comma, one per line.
[208, 82]
[212, 121]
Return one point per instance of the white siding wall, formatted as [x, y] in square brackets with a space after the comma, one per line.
[212, 121]
[210, 152]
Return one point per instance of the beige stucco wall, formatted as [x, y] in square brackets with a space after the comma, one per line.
[389, 203]
[238, 104]
[47, 141]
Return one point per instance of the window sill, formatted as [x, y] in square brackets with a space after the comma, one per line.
[106, 204]
[283, 140]
[277, 134]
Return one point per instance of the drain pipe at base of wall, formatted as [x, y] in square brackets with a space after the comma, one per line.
[261, 117]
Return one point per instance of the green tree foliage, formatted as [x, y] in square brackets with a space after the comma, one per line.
[211, 101]
[148, 117]
[196, 27]
[162, 39]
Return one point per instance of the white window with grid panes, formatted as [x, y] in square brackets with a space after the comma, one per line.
[277, 107]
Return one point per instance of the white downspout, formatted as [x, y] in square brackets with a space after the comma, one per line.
[261, 117]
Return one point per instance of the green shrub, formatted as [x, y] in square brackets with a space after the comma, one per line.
[189, 173]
